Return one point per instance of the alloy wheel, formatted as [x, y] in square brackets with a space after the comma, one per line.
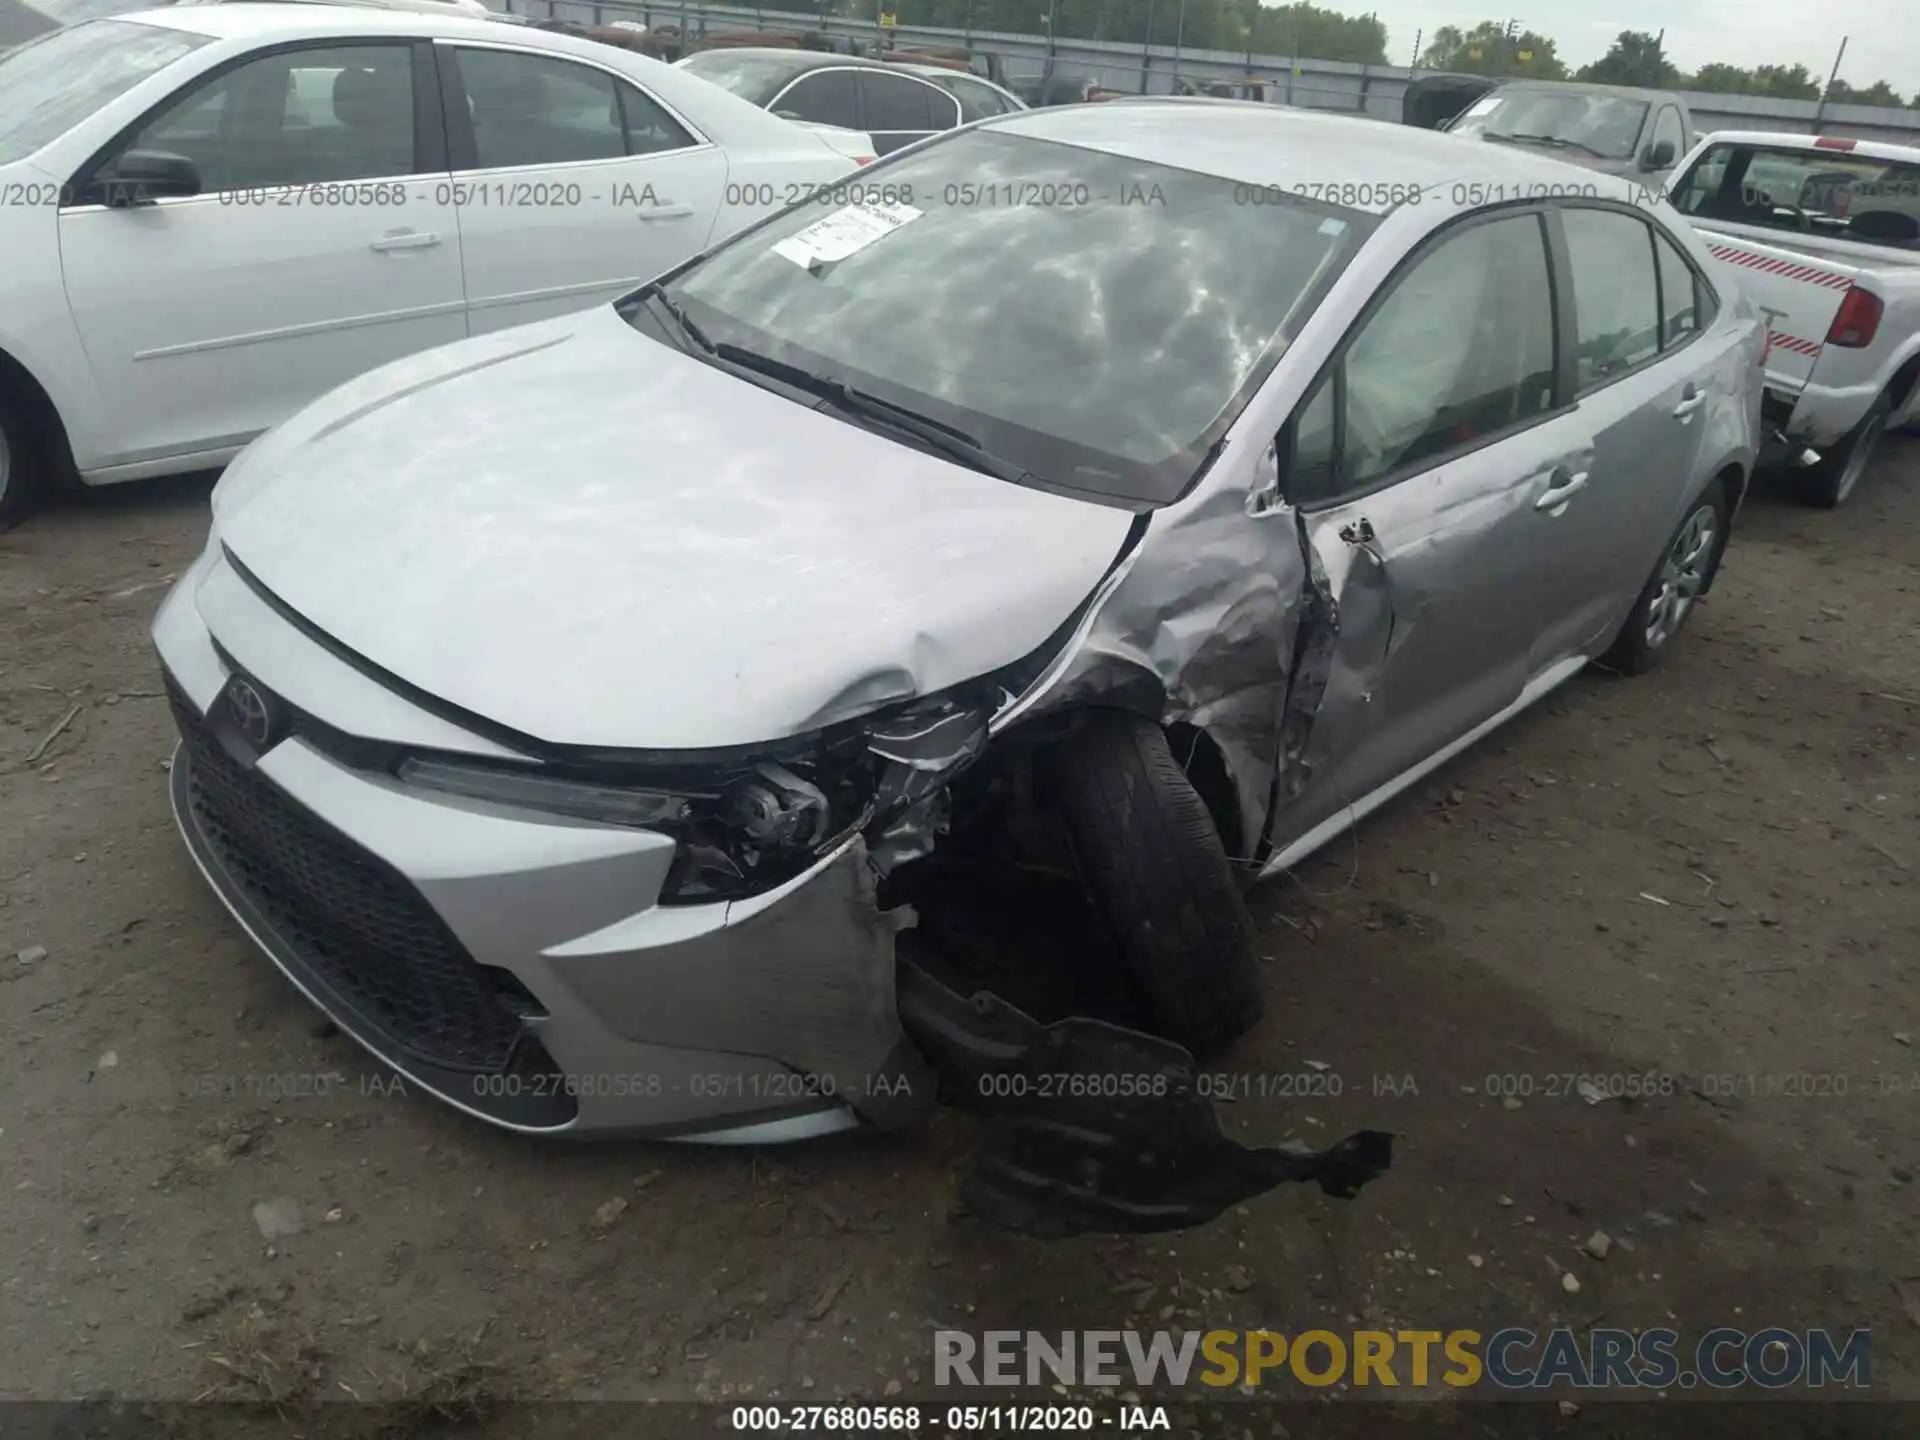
[1682, 575]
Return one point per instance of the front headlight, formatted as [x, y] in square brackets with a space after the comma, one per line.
[615, 805]
[744, 825]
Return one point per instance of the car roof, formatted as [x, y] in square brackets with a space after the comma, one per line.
[1578, 87]
[797, 60]
[241, 21]
[1794, 140]
[1259, 144]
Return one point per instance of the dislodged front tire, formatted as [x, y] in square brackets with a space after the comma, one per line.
[1153, 862]
[1685, 566]
[19, 466]
[1829, 484]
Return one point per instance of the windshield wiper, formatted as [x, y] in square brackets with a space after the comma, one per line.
[1558, 142]
[682, 322]
[936, 435]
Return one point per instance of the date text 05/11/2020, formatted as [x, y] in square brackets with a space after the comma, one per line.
[956, 1420]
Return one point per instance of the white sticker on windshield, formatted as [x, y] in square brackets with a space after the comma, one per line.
[1486, 106]
[1331, 226]
[845, 232]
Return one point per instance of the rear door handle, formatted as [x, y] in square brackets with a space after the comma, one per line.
[1561, 488]
[665, 212]
[1691, 400]
[405, 240]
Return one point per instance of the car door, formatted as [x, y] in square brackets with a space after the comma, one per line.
[896, 109]
[1418, 464]
[573, 184]
[1642, 373]
[320, 245]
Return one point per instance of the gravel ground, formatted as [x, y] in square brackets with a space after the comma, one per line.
[1707, 875]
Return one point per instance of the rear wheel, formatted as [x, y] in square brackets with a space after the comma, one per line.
[1152, 860]
[19, 466]
[1685, 567]
[1829, 484]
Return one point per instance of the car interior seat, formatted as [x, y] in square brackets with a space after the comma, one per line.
[374, 105]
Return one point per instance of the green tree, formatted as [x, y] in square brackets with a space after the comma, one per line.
[1489, 49]
[1720, 80]
[1788, 82]
[1878, 93]
[1634, 59]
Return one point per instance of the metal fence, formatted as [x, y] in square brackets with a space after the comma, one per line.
[1150, 69]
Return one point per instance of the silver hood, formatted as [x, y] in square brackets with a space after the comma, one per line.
[581, 533]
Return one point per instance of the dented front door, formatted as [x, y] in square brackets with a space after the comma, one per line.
[1426, 579]
[1420, 462]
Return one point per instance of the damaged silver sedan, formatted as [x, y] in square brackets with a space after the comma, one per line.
[866, 666]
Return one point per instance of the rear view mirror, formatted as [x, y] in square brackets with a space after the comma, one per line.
[144, 176]
[1658, 155]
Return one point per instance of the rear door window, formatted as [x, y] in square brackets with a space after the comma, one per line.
[1616, 297]
[1679, 295]
[538, 110]
[827, 97]
[893, 103]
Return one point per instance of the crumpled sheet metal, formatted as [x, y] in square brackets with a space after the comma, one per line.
[810, 984]
[1203, 625]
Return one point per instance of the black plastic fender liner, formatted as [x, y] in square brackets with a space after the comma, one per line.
[1097, 1128]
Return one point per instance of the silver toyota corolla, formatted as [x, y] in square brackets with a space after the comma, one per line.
[872, 659]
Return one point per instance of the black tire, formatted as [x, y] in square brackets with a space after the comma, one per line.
[1828, 485]
[1639, 646]
[20, 468]
[1153, 863]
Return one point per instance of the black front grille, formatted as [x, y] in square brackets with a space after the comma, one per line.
[352, 919]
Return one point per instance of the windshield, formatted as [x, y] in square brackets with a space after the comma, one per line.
[1091, 320]
[1828, 193]
[751, 77]
[1604, 125]
[51, 84]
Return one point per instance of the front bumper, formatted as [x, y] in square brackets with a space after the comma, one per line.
[514, 965]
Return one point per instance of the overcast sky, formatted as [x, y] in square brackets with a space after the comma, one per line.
[1884, 44]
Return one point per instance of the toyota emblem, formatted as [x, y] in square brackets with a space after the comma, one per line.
[248, 707]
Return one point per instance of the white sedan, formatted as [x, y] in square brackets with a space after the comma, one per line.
[211, 215]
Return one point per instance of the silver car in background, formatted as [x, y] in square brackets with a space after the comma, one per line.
[867, 662]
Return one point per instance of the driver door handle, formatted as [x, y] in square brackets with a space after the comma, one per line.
[665, 212]
[1691, 399]
[1562, 486]
[405, 240]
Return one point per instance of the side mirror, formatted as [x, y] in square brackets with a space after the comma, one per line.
[1657, 156]
[141, 177]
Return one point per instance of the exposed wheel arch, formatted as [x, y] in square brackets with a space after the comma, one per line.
[1733, 479]
[1900, 388]
[1205, 764]
[55, 449]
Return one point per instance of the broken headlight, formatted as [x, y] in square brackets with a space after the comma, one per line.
[743, 825]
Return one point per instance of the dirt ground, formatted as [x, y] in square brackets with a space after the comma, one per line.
[1707, 874]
